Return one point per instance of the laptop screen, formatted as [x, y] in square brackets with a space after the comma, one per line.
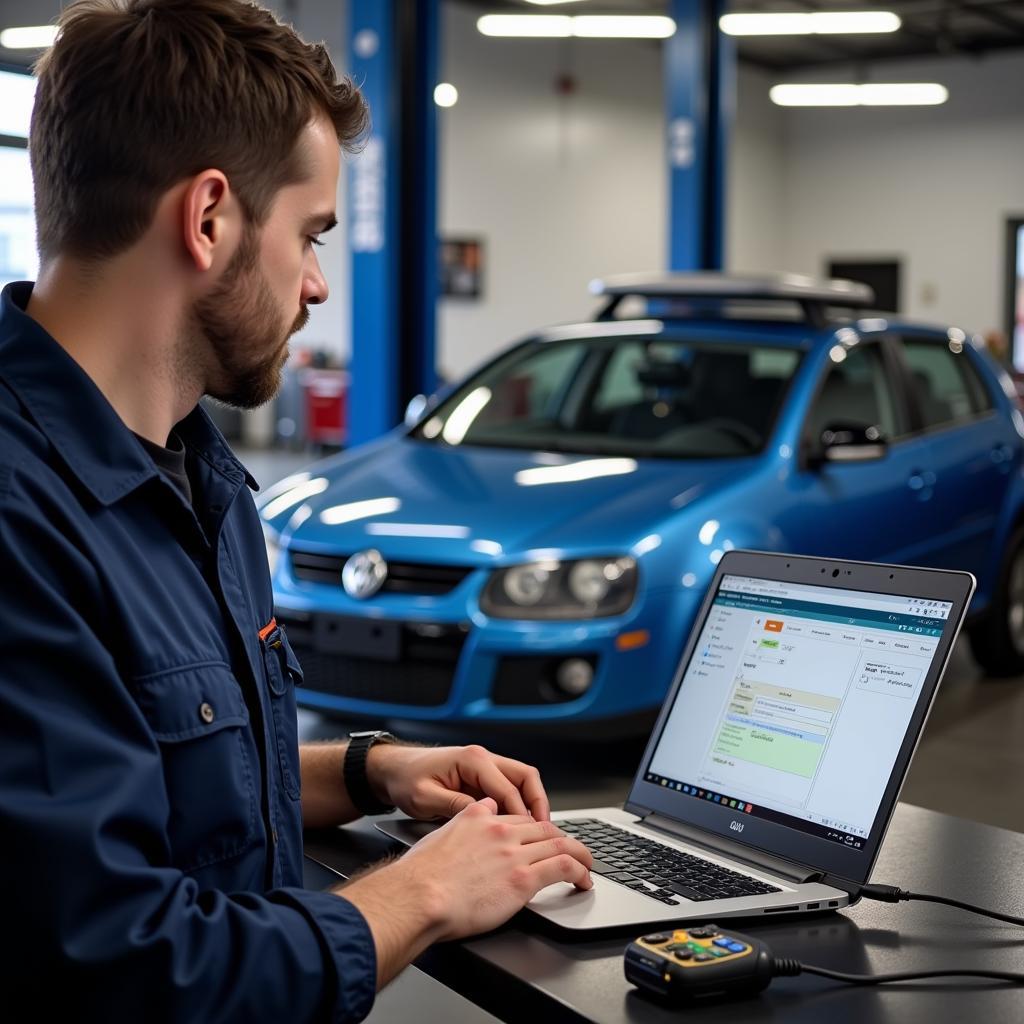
[796, 702]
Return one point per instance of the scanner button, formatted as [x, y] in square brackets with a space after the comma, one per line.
[657, 938]
[736, 947]
[683, 954]
[703, 957]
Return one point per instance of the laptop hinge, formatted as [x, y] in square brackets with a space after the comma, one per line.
[735, 851]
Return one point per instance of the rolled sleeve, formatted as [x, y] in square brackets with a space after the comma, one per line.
[348, 943]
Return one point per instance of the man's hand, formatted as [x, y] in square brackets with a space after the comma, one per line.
[469, 876]
[439, 782]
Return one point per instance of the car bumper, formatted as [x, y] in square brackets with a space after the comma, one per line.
[443, 660]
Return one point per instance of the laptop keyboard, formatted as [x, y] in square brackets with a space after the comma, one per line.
[656, 870]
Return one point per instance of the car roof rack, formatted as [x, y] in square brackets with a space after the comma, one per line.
[814, 297]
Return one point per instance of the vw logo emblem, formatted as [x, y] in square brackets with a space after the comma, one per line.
[364, 574]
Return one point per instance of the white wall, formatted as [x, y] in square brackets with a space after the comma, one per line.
[561, 189]
[929, 185]
[330, 324]
[756, 223]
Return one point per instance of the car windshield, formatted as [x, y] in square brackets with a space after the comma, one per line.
[630, 396]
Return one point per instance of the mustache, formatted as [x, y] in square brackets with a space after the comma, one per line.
[300, 321]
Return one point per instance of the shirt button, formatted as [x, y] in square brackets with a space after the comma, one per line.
[206, 712]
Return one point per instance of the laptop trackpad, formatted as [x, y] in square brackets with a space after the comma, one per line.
[407, 830]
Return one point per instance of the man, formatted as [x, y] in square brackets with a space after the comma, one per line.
[185, 156]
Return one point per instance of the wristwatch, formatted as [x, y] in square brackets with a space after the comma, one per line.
[354, 771]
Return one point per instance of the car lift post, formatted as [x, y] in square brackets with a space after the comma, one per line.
[392, 211]
[700, 86]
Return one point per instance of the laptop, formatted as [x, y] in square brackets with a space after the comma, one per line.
[775, 764]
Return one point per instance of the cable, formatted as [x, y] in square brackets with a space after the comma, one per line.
[788, 968]
[892, 894]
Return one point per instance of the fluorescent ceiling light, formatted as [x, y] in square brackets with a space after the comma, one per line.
[28, 37]
[908, 94]
[875, 94]
[809, 23]
[549, 26]
[583, 26]
[610, 26]
[551, 3]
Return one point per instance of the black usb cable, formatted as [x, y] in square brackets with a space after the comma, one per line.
[893, 894]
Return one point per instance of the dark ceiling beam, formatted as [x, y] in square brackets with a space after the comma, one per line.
[1002, 46]
[990, 13]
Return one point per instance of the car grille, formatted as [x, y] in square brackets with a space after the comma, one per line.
[402, 578]
[421, 677]
[389, 682]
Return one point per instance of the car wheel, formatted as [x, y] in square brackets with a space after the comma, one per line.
[997, 642]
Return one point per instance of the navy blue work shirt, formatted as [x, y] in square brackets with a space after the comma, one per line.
[150, 824]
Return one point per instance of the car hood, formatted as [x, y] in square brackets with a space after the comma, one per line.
[473, 505]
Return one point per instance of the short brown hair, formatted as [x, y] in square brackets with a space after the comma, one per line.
[137, 95]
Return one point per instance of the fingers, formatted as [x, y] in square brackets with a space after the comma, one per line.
[527, 780]
[484, 773]
[459, 802]
[563, 868]
[557, 846]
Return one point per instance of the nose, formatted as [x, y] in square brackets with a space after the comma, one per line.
[314, 285]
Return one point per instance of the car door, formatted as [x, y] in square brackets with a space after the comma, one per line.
[972, 447]
[877, 510]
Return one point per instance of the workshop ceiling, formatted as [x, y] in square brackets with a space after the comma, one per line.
[930, 28]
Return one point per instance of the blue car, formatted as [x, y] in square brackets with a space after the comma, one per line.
[532, 546]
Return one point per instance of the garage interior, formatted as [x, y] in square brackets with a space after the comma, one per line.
[544, 163]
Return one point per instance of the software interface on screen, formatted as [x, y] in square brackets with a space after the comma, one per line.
[796, 702]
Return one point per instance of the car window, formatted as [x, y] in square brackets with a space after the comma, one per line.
[944, 383]
[532, 390]
[636, 396]
[620, 382]
[855, 393]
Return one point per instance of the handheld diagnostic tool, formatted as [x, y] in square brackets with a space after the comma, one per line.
[698, 961]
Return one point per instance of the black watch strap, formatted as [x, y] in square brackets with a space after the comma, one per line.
[354, 770]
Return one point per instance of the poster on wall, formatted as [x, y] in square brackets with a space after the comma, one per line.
[461, 268]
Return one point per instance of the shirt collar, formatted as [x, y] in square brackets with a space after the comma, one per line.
[76, 417]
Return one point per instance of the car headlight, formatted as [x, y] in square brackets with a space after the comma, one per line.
[271, 539]
[587, 588]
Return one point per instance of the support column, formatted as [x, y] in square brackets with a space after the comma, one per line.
[700, 77]
[392, 213]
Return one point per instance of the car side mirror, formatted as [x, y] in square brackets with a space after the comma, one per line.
[415, 409]
[845, 443]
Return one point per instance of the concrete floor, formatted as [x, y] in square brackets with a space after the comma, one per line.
[970, 761]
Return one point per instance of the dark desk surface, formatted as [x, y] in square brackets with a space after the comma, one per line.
[519, 972]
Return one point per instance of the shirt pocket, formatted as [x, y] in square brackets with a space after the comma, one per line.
[198, 716]
[283, 675]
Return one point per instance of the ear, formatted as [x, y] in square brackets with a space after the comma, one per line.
[210, 215]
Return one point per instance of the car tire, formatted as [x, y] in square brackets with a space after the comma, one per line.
[997, 641]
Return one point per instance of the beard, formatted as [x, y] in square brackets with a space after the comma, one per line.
[242, 332]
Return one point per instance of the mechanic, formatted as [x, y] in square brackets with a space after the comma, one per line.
[185, 155]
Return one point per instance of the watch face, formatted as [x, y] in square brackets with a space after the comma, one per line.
[368, 733]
